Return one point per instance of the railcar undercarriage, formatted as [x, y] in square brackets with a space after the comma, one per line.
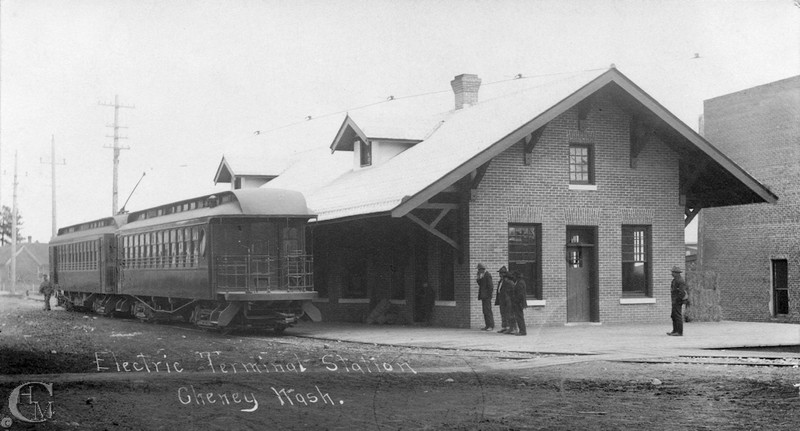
[262, 314]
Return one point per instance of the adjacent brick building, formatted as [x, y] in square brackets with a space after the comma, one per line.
[755, 249]
[583, 183]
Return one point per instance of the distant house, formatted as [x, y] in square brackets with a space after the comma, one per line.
[582, 182]
[755, 249]
[31, 263]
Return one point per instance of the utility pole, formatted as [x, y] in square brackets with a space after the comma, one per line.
[53, 162]
[14, 233]
[116, 148]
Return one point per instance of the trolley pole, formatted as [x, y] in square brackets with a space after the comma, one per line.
[53, 164]
[116, 148]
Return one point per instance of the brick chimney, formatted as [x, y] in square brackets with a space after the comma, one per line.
[465, 88]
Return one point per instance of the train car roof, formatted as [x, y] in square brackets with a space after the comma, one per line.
[89, 229]
[243, 202]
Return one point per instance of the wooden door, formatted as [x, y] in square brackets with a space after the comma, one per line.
[581, 273]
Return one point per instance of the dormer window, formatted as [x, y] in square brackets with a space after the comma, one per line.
[365, 148]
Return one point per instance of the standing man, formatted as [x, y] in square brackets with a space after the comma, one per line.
[507, 302]
[501, 300]
[519, 302]
[46, 289]
[680, 295]
[485, 288]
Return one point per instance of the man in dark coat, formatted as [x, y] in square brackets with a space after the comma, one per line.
[519, 302]
[504, 287]
[46, 289]
[485, 288]
[679, 293]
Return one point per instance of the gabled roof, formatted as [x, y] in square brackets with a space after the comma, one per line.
[459, 142]
[405, 130]
[37, 251]
[267, 154]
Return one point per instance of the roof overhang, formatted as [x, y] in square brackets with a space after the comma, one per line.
[698, 157]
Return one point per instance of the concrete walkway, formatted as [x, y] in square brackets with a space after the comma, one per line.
[574, 343]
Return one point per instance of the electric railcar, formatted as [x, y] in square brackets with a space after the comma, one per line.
[233, 259]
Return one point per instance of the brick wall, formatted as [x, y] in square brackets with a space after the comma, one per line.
[759, 128]
[539, 193]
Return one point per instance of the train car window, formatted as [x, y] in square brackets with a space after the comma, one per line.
[172, 254]
[126, 252]
[291, 241]
[147, 250]
[152, 253]
[161, 250]
[138, 251]
[142, 248]
[202, 242]
[180, 248]
[260, 236]
[154, 245]
[189, 247]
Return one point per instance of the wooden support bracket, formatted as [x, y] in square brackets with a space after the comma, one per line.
[584, 106]
[690, 215]
[530, 142]
[432, 229]
[478, 175]
[693, 176]
[641, 134]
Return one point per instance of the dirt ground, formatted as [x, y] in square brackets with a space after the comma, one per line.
[77, 371]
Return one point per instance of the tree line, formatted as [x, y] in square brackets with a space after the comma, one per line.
[6, 226]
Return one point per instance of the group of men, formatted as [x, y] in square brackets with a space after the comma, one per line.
[511, 297]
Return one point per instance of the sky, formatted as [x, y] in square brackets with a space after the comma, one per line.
[203, 76]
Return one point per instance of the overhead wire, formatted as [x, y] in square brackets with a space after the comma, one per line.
[518, 76]
[392, 98]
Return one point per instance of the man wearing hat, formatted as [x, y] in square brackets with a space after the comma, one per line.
[504, 289]
[519, 302]
[485, 288]
[680, 295]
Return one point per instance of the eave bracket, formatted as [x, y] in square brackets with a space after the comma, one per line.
[530, 142]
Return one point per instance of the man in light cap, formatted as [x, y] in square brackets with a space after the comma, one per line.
[485, 288]
[680, 295]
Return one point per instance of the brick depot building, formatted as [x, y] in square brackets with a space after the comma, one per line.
[582, 182]
[755, 249]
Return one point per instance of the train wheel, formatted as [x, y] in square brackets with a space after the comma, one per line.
[280, 329]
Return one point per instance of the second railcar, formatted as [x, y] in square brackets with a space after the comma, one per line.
[235, 258]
